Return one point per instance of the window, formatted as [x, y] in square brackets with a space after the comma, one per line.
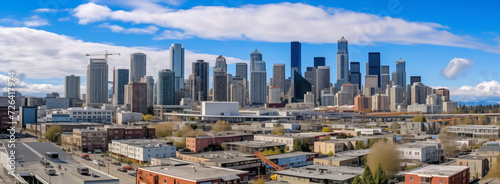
[165, 181]
[411, 178]
[441, 181]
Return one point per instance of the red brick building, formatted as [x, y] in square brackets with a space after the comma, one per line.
[190, 174]
[129, 132]
[438, 174]
[205, 143]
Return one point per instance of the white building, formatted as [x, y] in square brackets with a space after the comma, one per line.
[142, 150]
[274, 95]
[475, 131]
[57, 103]
[425, 152]
[89, 114]
[127, 116]
[220, 108]
[449, 106]
[428, 109]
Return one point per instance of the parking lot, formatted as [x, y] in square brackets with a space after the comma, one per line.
[108, 167]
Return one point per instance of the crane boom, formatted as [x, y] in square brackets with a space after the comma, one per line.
[106, 54]
[271, 163]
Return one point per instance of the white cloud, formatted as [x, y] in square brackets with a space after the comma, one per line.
[54, 56]
[456, 66]
[33, 21]
[282, 22]
[45, 10]
[119, 29]
[486, 90]
[30, 89]
[167, 34]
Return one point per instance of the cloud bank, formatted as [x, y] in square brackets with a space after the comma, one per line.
[455, 67]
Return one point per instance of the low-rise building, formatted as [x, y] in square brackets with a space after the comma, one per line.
[334, 145]
[319, 174]
[39, 129]
[117, 132]
[205, 143]
[353, 158]
[425, 152]
[142, 150]
[224, 159]
[438, 174]
[251, 147]
[478, 165]
[293, 159]
[416, 128]
[89, 114]
[190, 174]
[125, 117]
[289, 139]
[476, 131]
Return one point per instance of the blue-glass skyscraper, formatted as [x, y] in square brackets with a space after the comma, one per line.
[166, 87]
[374, 65]
[356, 74]
[121, 79]
[176, 64]
[399, 76]
[201, 68]
[296, 56]
[342, 61]
[319, 61]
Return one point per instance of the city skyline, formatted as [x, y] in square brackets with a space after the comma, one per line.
[455, 66]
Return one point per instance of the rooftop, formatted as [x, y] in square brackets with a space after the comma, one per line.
[195, 173]
[256, 144]
[437, 170]
[489, 148]
[323, 172]
[475, 126]
[292, 154]
[298, 135]
[142, 142]
[222, 156]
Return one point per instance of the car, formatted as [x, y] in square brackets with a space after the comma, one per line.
[128, 167]
[50, 171]
[44, 162]
[49, 166]
[122, 169]
[97, 151]
[117, 163]
[101, 163]
[83, 170]
[132, 173]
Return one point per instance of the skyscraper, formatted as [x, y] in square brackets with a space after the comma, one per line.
[342, 61]
[255, 56]
[310, 76]
[136, 97]
[399, 76]
[220, 84]
[238, 90]
[258, 78]
[137, 67]
[176, 64]
[386, 77]
[121, 79]
[242, 70]
[414, 79]
[371, 85]
[299, 87]
[396, 97]
[220, 62]
[194, 84]
[151, 82]
[319, 61]
[72, 87]
[296, 56]
[279, 76]
[322, 81]
[374, 66]
[97, 82]
[356, 74]
[201, 69]
[165, 87]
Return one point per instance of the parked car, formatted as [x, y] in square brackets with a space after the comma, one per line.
[83, 170]
[122, 169]
[128, 167]
[132, 172]
[50, 171]
[117, 163]
[44, 162]
[97, 151]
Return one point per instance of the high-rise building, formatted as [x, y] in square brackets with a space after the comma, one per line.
[309, 98]
[355, 74]
[201, 69]
[342, 60]
[288, 84]
[220, 62]
[418, 93]
[121, 79]
[220, 84]
[319, 61]
[176, 64]
[296, 56]
[362, 103]
[346, 95]
[380, 103]
[399, 76]
[310, 75]
[150, 82]
[445, 93]
[322, 81]
[242, 70]
[165, 87]
[238, 90]
[137, 67]
[299, 87]
[97, 82]
[258, 87]
[371, 85]
[194, 84]
[374, 66]
[274, 95]
[414, 79]
[136, 97]
[396, 97]
[72, 87]
[386, 77]
[255, 56]
[279, 76]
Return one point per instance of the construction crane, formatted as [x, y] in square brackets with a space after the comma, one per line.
[106, 54]
[333, 108]
[271, 163]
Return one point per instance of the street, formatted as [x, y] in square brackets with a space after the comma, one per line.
[109, 167]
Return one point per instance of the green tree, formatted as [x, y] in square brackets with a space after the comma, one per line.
[357, 180]
[330, 153]
[53, 133]
[163, 129]
[180, 144]
[380, 176]
[286, 149]
[297, 145]
[147, 117]
[360, 145]
[481, 120]
[221, 126]
[419, 119]
[192, 118]
[194, 126]
[276, 151]
[326, 129]
[367, 177]
[260, 181]
[305, 146]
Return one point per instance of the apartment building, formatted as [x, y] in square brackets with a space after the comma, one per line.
[142, 150]
[438, 174]
[205, 143]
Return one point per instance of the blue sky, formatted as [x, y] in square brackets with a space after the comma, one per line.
[426, 34]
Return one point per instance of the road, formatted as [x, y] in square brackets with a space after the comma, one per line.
[109, 167]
